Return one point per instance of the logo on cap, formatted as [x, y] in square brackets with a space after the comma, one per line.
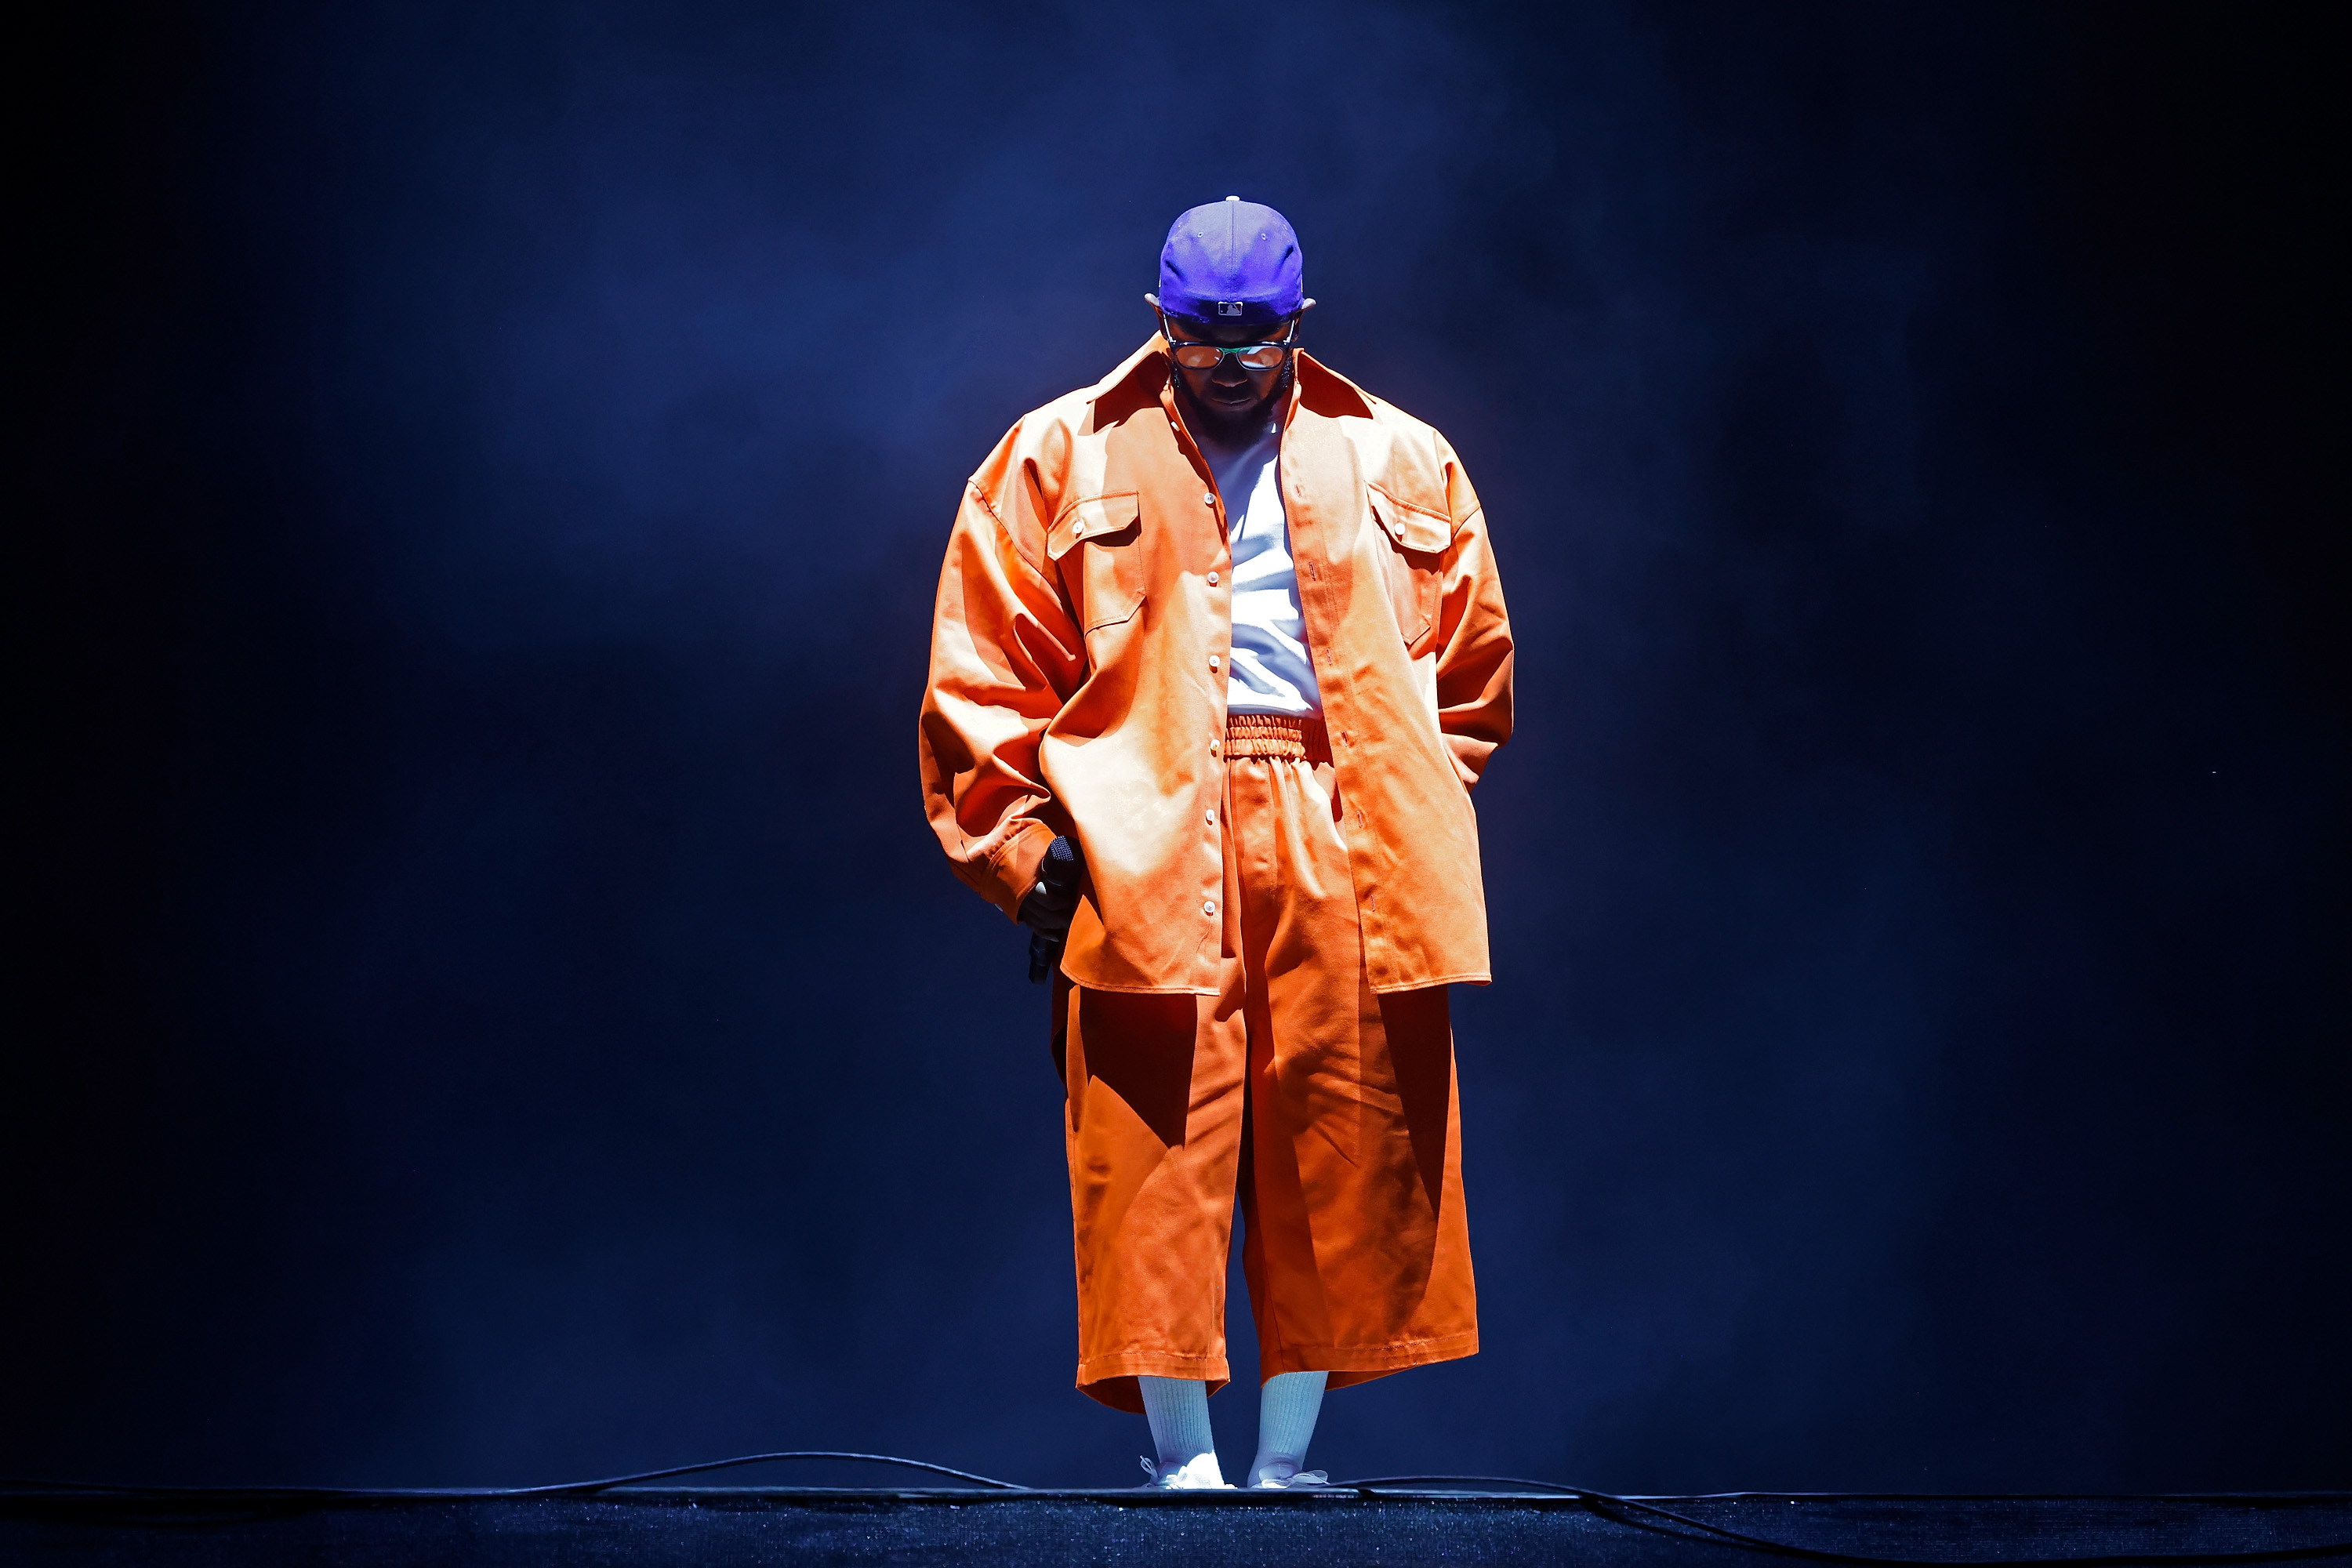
[1229, 307]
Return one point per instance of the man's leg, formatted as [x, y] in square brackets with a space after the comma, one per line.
[1286, 1408]
[1153, 1134]
[1178, 1408]
[1356, 1246]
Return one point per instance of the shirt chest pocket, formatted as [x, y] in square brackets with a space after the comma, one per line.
[1413, 565]
[1097, 547]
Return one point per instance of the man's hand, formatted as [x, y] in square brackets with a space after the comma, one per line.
[1047, 907]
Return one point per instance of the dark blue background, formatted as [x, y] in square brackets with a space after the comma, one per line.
[487, 1007]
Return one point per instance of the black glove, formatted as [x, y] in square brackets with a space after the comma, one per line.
[1047, 909]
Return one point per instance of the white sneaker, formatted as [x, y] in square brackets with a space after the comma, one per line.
[1198, 1474]
[1299, 1478]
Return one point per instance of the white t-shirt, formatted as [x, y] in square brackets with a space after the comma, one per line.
[1270, 670]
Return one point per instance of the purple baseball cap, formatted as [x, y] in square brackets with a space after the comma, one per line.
[1234, 259]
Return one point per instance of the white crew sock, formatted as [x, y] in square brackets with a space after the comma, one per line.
[1286, 1409]
[1178, 1409]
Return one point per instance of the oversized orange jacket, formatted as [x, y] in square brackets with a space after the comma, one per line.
[1077, 679]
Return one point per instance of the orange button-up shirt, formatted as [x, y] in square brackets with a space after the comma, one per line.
[1078, 661]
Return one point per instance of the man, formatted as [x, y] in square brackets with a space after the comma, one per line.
[1219, 653]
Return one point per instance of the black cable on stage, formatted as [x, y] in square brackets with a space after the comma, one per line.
[1603, 1502]
[561, 1488]
[1606, 1504]
[583, 1489]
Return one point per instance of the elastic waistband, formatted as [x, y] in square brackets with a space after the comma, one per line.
[1295, 737]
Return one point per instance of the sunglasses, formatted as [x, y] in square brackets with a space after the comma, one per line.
[1209, 356]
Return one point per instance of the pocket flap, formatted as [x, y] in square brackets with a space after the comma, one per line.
[1116, 610]
[1094, 519]
[1410, 526]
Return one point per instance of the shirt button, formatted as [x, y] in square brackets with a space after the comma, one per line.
[1213, 748]
[1212, 661]
[1212, 817]
[1208, 908]
[1212, 579]
[1208, 498]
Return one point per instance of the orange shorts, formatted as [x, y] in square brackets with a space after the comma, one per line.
[1332, 1111]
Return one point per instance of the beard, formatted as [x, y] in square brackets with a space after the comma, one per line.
[1242, 424]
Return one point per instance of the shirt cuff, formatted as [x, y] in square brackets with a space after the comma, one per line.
[1016, 867]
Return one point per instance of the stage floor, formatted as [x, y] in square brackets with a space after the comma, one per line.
[717, 1526]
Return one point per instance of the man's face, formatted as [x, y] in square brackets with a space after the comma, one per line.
[1232, 396]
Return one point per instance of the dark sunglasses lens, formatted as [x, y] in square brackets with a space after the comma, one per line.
[1196, 356]
[1266, 356]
